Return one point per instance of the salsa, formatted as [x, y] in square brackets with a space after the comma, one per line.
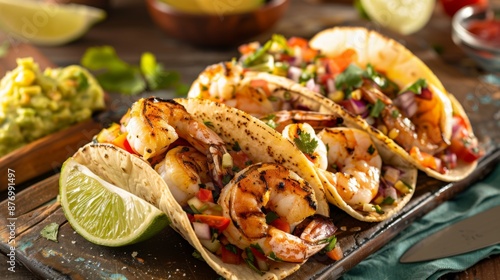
[487, 30]
[34, 104]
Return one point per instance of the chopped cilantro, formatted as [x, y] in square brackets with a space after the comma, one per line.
[377, 108]
[209, 124]
[231, 248]
[395, 113]
[273, 257]
[82, 82]
[255, 57]
[417, 86]
[378, 209]
[50, 231]
[332, 241]
[196, 254]
[305, 143]
[388, 201]
[371, 150]
[236, 147]
[271, 216]
[351, 78]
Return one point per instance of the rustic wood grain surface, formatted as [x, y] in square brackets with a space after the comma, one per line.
[130, 31]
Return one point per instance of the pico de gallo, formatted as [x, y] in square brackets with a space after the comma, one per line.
[368, 93]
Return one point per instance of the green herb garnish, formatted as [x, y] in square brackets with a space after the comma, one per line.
[371, 150]
[417, 86]
[305, 143]
[115, 75]
[377, 108]
[271, 217]
[351, 78]
[50, 231]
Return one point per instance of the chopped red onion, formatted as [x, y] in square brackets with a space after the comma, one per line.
[310, 84]
[406, 102]
[294, 73]
[330, 85]
[391, 192]
[391, 174]
[202, 230]
[357, 107]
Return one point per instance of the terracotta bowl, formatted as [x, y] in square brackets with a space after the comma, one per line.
[216, 30]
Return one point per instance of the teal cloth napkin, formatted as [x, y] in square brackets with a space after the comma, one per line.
[384, 264]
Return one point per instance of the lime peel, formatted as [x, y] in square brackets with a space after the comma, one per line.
[105, 214]
[402, 16]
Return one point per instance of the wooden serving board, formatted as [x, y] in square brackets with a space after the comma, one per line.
[167, 255]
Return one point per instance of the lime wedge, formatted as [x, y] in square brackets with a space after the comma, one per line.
[103, 213]
[402, 16]
[45, 23]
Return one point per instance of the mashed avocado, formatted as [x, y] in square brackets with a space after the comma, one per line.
[34, 104]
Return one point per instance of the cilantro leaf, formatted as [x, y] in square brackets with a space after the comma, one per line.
[305, 143]
[50, 231]
[115, 75]
[351, 78]
[156, 76]
[417, 86]
[377, 108]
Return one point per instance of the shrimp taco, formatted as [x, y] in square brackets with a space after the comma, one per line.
[361, 174]
[243, 196]
[399, 98]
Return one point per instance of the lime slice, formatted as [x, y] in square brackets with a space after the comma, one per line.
[103, 213]
[403, 16]
[46, 23]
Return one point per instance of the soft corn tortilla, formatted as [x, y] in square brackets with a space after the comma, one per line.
[261, 143]
[404, 68]
[134, 175]
[280, 86]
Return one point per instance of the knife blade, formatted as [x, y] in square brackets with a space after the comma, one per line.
[473, 233]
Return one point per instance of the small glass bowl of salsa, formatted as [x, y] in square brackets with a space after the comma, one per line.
[476, 31]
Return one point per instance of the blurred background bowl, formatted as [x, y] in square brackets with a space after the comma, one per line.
[216, 29]
[484, 49]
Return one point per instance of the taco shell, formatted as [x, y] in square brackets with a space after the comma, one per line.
[404, 68]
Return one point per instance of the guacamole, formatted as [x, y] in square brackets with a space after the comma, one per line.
[34, 104]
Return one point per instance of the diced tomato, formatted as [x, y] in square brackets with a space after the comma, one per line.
[205, 195]
[336, 253]
[219, 223]
[281, 224]
[127, 147]
[231, 257]
[297, 41]
[309, 54]
[257, 253]
[465, 145]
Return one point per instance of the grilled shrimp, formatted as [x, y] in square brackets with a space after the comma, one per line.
[408, 134]
[152, 124]
[316, 119]
[184, 169]
[217, 82]
[354, 164]
[318, 156]
[263, 188]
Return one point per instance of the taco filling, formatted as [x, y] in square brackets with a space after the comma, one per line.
[242, 211]
[408, 114]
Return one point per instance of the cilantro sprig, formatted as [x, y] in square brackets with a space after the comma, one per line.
[306, 143]
[116, 75]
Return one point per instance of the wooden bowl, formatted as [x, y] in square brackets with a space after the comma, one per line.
[210, 30]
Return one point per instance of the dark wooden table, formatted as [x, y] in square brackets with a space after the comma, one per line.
[130, 31]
